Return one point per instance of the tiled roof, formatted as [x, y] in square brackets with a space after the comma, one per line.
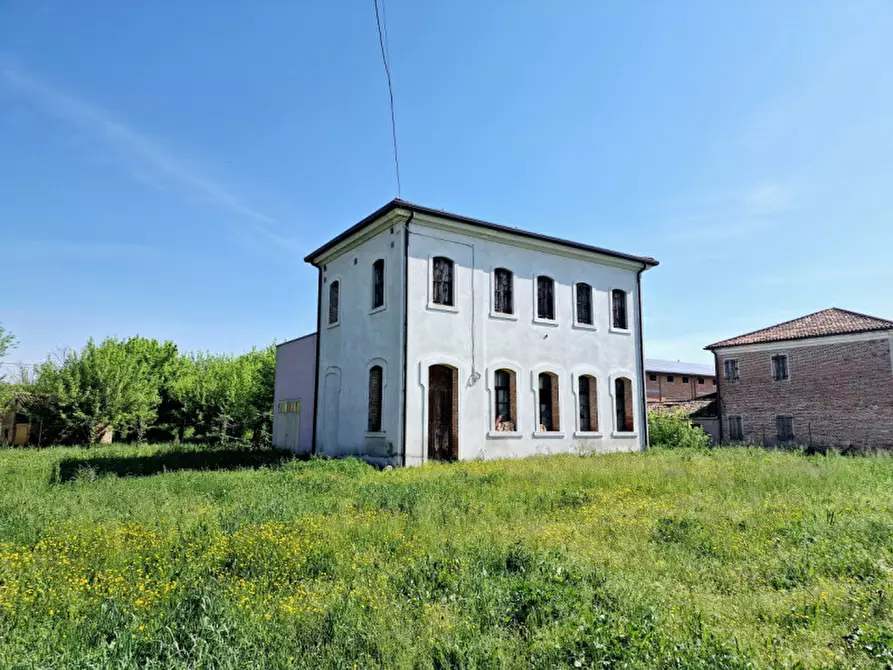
[679, 368]
[831, 321]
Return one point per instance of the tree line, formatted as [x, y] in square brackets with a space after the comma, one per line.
[139, 389]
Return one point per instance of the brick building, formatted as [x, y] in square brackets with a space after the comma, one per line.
[825, 379]
[667, 381]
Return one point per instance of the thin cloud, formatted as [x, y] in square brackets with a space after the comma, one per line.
[143, 157]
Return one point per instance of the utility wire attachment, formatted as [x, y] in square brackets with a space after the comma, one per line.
[385, 59]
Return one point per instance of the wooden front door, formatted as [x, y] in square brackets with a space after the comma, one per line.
[442, 443]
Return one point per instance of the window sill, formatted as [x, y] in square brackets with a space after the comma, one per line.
[585, 326]
[499, 434]
[556, 434]
[433, 306]
[378, 435]
[545, 322]
[588, 434]
[621, 331]
[376, 310]
[622, 434]
[504, 316]
[333, 325]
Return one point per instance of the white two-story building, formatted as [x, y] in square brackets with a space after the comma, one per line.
[442, 337]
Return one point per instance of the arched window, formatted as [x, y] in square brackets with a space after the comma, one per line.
[545, 298]
[618, 309]
[548, 403]
[375, 388]
[334, 298]
[505, 396]
[623, 404]
[588, 399]
[378, 283]
[442, 288]
[584, 303]
[502, 291]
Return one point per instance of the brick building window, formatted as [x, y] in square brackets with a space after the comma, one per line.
[652, 378]
[780, 367]
[584, 303]
[714, 382]
[623, 404]
[503, 300]
[700, 381]
[685, 380]
[736, 429]
[373, 423]
[785, 425]
[549, 416]
[334, 298]
[378, 283]
[545, 298]
[442, 287]
[505, 396]
[730, 370]
[670, 379]
[588, 399]
[618, 310]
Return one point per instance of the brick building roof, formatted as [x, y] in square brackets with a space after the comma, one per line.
[831, 321]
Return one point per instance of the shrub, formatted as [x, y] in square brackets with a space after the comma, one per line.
[674, 431]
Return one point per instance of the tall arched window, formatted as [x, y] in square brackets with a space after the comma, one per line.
[545, 298]
[442, 287]
[548, 403]
[623, 404]
[506, 403]
[584, 303]
[378, 283]
[502, 291]
[618, 309]
[375, 389]
[334, 299]
[587, 396]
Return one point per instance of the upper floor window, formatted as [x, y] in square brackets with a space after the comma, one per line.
[730, 369]
[700, 381]
[652, 378]
[685, 380]
[378, 283]
[442, 287]
[584, 303]
[619, 316]
[545, 298]
[373, 424]
[334, 298]
[670, 379]
[502, 291]
[780, 367]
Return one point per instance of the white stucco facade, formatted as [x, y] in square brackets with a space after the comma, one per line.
[412, 332]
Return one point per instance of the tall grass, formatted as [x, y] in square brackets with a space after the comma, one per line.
[124, 557]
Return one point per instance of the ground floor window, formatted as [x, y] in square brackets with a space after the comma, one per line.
[623, 403]
[505, 392]
[588, 399]
[548, 414]
[785, 425]
[736, 429]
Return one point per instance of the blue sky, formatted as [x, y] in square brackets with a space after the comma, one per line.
[164, 167]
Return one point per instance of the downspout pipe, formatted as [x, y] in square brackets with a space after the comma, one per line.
[316, 369]
[644, 411]
[405, 328]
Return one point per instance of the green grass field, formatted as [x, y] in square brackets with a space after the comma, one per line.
[129, 557]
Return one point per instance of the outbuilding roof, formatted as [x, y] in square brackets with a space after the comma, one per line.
[679, 368]
[833, 321]
[397, 203]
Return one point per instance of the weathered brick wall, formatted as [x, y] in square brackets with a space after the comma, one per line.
[839, 394]
[661, 389]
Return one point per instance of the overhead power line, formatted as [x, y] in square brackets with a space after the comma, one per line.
[385, 59]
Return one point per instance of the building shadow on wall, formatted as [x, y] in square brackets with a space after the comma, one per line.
[70, 469]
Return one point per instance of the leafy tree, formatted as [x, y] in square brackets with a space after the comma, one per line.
[675, 431]
[7, 342]
[104, 387]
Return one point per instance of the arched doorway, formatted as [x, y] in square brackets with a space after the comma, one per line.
[443, 413]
